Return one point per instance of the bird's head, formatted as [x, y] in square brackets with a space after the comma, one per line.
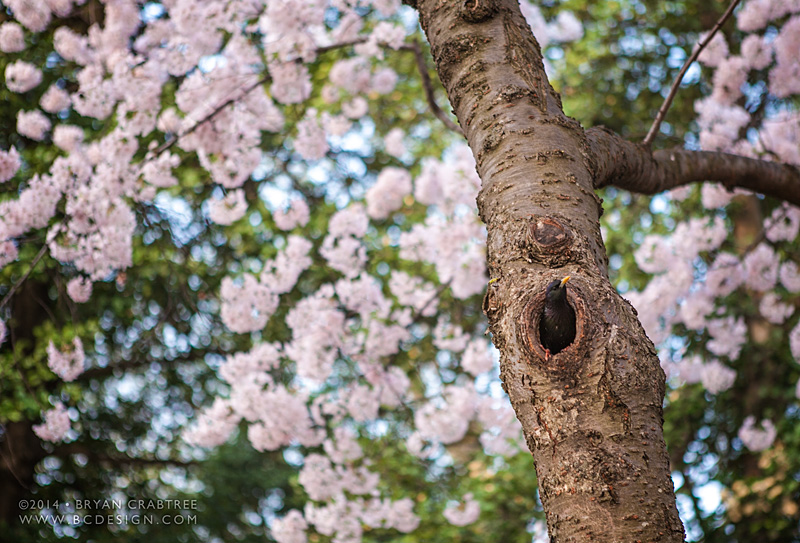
[557, 290]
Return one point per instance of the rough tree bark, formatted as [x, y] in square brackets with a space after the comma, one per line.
[591, 414]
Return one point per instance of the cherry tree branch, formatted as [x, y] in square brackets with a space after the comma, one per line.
[133, 364]
[427, 85]
[422, 68]
[662, 112]
[262, 81]
[22, 279]
[414, 47]
[634, 167]
[169, 143]
[78, 448]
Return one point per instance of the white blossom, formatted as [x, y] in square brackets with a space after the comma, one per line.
[32, 124]
[229, 209]
[464, 513]
[22, 76]
[757, 439]
[67, 364]
[56, 424]
[386, 195]
[717, 377]
[79, 289]
[12, 38]
[9, 164]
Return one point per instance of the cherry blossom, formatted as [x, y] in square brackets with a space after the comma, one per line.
[783, 224]
[291, 528]
[773, 309]
[502, 434]
[67, 364]
[22, 76]
[387, 194]
[12, 38]
[477, 357]
[790, 276]
[9, 164]
[393, 142]
[757, 52]
[8, 252]
[56, 424]
[463, 513]
[761, 265]
[296, 215]
[794, 342]
[229, 209]
[447, 420]
[310, 141]
[717, 377]
[67, 137]
[716, 50]
[214, 426]
[754, 438]
[246, 306]
[33, 124]
[334, 374]
[290, 82]
[79, 289]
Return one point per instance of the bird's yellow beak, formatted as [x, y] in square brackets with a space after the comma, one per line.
[564, 281]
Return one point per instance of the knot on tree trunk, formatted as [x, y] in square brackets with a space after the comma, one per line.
[476, 11]
[549, 241]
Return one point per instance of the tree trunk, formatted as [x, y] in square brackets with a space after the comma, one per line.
[591, 414]
[20, 449]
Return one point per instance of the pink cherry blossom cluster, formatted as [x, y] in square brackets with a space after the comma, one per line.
[9, 164]
[692, 271]
[325, 339]
[463, 513]
[721, 118]
[12, 38]
[56, 424]
[79, 289]
[342, 247]
[67, 364]
[757, 439]
[297, 215]
[229, 209]
[451, 238]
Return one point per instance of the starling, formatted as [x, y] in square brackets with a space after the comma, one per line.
[557, 325]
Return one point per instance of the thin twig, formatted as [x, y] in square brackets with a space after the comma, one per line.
[427, 85]
[319, 50]
[662, 112]
[24, 277]
[422, 67]
[79, 448]
[698, 511]
[325, 48]
[8, 464]
[168, 144]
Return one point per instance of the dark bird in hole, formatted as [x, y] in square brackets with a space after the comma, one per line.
[557, 325]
